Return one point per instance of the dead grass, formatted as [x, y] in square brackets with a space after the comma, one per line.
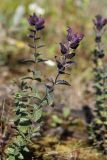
[72, 149]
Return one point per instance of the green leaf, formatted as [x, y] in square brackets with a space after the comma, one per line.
[66, 112]
[98, 121]
[36, 129]
[56, 119]
[27, 78]
[20, 156]
[25, 121]
[38, 79]
[35, 106]
[104, 75]
[37, 74]
[10, 151]
[21, 109]
[49, 96]
[11, 157]
[105, 123]
[62, 82]
[37, 94]
[23, 129]
[21, 112]
[37, 114]
[102, 97]
[20, 141]
[103, 114]
[25, 149]
[98, 86]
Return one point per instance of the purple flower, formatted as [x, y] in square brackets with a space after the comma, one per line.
[76, 40]
[73, 38]
[69, 35]
[36, 21]
[100, 22]
[64, 50]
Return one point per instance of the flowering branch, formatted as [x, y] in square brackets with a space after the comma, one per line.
[99, 124]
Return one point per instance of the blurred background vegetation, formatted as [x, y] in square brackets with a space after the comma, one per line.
[59, 14]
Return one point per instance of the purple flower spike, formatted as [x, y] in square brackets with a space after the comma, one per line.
[69, 35]
[38, 22]
[63, 49]
[100, 22]
[73, 38]
[76, 40]
[72, 42]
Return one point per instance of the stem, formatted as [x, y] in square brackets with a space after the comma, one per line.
[43, 99]
[34, 41]
[57, 76]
